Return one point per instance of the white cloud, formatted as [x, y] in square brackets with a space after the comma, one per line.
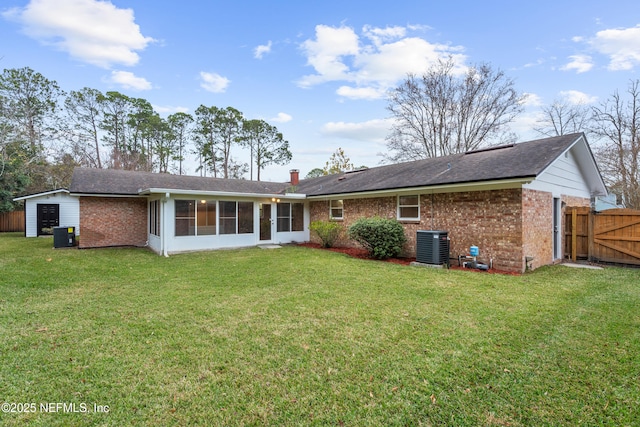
[168, 109]
[259, 51]
[621, 45]
[282, 118]
[579, 63]
[531, 100]
[373, 62]
[214, 82]
[360, 92]
[370, 131]
[325, 54]
[577, 98]
[92, 31]
[380, 35]
[128, 80]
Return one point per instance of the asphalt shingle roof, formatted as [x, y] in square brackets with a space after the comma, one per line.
[121, 182]
[527, 159]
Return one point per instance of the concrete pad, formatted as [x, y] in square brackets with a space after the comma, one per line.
[269, 246]
[422, 264]
[588, 266]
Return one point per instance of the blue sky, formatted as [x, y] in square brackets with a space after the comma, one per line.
[318, 70]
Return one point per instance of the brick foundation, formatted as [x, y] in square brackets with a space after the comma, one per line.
[113, 221]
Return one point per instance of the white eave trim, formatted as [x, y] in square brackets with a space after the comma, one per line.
[443, 188]
[46, 193]
[149, 191]
[104, 195]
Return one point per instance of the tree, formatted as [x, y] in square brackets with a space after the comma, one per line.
[161, 145]
[562, 118]
[128, 124]
[84, 113]
[266, 145]
[339, 162]
[116, 110]
[440, 113]
[180, 123]
[617, 122]
[29, 103]
[28, 128]
[13, 181]
[315, 173]
[217, 130]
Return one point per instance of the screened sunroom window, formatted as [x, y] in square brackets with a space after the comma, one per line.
[185, 217]
[290, 217]
[206, 217]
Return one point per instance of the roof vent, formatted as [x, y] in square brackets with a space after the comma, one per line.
[494, 148]
[356, 170]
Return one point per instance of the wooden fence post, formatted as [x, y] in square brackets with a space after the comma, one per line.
[590, 234]
[574, 234]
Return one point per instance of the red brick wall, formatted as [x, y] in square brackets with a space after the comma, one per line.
[491, 220]
[112, 222]
[537, 214]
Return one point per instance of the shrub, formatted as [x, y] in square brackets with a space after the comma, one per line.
[327, 231]
[382, 238]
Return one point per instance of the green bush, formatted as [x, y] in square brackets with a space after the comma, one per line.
[382, 237]
[327, 231]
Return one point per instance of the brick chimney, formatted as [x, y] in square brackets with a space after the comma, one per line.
[295, 176]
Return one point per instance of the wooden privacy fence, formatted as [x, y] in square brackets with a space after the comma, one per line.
[12, 221]
[608, 236]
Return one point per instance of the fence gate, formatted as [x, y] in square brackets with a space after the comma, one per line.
[608, 236]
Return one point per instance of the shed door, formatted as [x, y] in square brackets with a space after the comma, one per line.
[48, 217]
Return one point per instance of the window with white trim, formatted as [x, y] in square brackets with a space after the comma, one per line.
[336, 209]
[409, 208]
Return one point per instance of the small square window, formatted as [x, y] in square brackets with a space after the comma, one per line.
[336, 209]
[409, 207]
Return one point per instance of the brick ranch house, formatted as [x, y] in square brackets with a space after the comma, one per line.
[506, 200]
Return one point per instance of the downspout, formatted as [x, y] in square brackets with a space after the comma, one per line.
[163, 239]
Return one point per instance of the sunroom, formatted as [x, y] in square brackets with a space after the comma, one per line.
[186, 221]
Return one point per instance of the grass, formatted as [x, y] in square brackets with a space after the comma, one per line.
[300, 336]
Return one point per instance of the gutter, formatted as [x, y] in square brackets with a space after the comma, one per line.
[104, 195]
[293, 196]
[443, 188]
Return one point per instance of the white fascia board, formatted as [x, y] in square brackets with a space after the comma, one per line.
[104, 195]
[149, 191]
[46, 193]
[443, 188]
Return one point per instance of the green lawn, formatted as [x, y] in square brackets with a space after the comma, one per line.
[299, 336]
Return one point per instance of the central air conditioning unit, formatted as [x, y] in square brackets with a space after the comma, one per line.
[64, 237]
[432, 247]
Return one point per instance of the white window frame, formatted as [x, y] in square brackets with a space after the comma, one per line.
[400, 206]
[332, 207]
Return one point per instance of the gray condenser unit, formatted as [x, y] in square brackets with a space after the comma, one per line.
[64, 237]
[432, 247]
